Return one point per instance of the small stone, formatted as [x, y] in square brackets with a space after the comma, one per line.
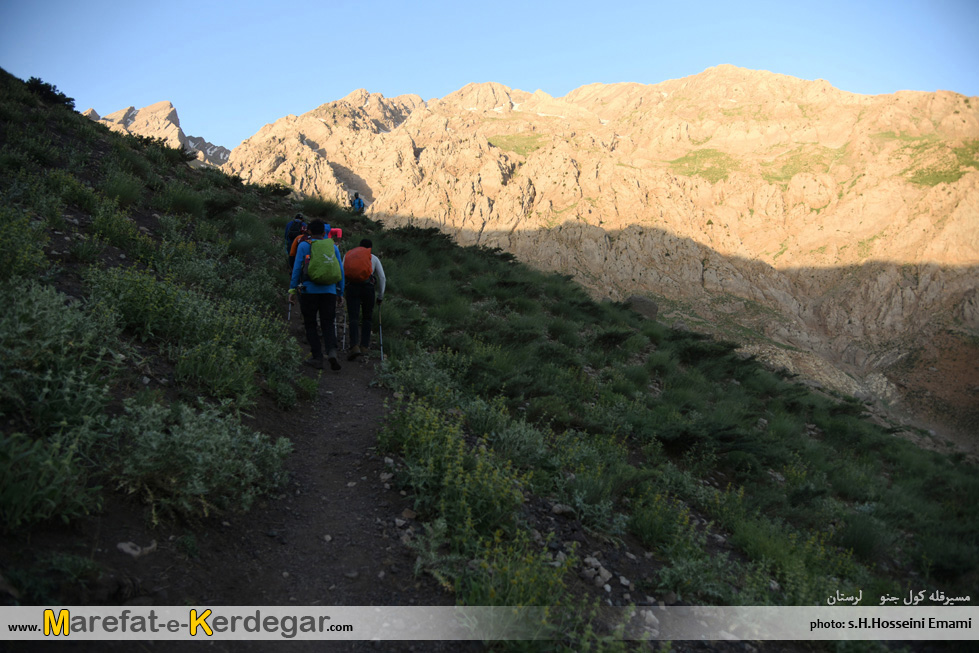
[386, 476]
[226, 523]
[146, 380]
[562, 509]
[627, 596]
[400, 523]
[389, 461]
[408, 513]
[351, 483]
[327, 538]
[592, 562]
[380, 575]
[774, 586]
[352, 574]
[285, 574]
[604, 574]
[631, 556]
[649, 618]
[624, 581]
[122, 257]
[607, 588]
[590, 573]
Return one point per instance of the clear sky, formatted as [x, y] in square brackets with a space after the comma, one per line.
[231, 66]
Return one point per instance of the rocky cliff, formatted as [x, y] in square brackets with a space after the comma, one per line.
[160, 121]
[836, 233]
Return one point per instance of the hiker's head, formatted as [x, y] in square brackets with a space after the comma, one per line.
[356, 195]
[300, 217]
[317, 228]
[366, 242]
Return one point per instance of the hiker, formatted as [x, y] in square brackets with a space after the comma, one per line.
[303, 235]
[361, 269]
[357, 204]
[293, 229]
[317, 278]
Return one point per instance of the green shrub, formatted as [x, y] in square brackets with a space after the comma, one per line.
[190, 463]
[214, 365]
[475, 493]
[327, 210]
[45, 478]
[55, 359]
[123, 187]
[659, 522]
[21, 244]
[168, 312]
[49, 93]
[181, 199]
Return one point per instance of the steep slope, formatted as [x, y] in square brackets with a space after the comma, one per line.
[833, 223]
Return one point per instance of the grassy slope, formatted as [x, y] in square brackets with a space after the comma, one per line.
[514, 386]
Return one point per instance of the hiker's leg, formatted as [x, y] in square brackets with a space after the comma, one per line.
[309, 306]
[353, 312]
[368, 304]
[328, 315]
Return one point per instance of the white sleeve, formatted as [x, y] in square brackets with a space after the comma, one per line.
[378, 270]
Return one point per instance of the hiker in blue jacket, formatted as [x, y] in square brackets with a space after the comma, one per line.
[317, 300]
[357, 204]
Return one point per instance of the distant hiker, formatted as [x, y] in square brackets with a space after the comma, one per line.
[357, 204]
[317, 277]
[303, 236]
[293, 228]
[363, 272]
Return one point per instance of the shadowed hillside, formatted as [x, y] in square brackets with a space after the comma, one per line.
[538, 447]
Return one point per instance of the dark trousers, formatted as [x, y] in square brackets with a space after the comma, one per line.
[324, 306]
[360, 304]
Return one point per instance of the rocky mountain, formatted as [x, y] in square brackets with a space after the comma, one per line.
[835, 234]
[160, 121]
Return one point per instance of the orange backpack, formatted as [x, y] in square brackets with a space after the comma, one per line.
[357, 264]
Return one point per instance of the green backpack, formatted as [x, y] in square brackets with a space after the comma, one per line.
[321, 265]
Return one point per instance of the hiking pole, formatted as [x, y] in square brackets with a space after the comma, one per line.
[380, 332]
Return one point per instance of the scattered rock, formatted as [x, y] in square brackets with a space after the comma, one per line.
[136, 551]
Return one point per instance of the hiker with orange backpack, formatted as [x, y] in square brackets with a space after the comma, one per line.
[294, 228]
[364, 274]
[317, 278]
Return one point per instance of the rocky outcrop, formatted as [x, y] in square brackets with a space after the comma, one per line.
[160, 121]
[757, 205]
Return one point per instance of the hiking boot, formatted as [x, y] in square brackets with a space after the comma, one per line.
[354, 353]
[332, 357]
[316, 363]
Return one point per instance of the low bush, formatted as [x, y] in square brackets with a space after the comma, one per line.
[190, 463]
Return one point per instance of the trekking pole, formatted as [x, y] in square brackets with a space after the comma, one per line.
[289, 314]
[380, 332]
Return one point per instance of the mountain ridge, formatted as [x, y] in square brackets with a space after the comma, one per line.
[745, 165]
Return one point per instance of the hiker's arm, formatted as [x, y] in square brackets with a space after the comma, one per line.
[381, 279]
[297, 267]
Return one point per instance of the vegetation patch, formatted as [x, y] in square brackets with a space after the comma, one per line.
[712, 165]
[522, 144]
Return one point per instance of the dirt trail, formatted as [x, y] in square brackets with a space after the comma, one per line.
[329, 539]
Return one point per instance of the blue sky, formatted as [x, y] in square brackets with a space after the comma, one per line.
[230, 67]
